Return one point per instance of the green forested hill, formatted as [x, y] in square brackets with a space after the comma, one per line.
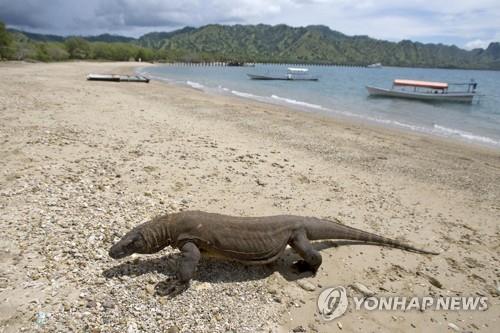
[108, 38]
[251, 43]
[314, 44]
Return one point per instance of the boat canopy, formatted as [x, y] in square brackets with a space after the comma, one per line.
[297, 70]
[421, 84]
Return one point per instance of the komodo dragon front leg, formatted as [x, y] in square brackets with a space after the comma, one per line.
[186, 267]
[311, 257]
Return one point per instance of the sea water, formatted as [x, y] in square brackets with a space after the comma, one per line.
[341, 92]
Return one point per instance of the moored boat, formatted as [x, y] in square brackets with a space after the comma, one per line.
[117, 78]
[292, 74]
[375, 65]
[427, 90]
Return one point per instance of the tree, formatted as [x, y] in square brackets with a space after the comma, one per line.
[41, 52]
[101, 51]
[78, 48]
[56, 51]
[5, 42]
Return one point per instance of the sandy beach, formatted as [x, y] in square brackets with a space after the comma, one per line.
[83, 162]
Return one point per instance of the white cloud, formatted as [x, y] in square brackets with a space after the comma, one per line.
[448, 21]
[186, 12]
[476, 44]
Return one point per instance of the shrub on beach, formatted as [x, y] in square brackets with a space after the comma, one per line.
[16, 45]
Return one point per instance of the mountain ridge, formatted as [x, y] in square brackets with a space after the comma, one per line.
[310, 44]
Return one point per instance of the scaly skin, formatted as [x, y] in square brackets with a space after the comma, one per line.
[256, 240]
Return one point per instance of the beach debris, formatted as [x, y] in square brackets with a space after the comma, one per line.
[203, 286]
[432, 280]
[312, 327]
[277, 299]
[150, 289]
[260, 182]
[108, 304]
[306, 285]
[299, 329]
[454, 327]
[173, 329]
[132, 327]
[4, 282]
[339, 324]
[359, 287]
[435, 282]
[41, 318]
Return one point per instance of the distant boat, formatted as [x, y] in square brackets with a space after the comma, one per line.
[117, 78]
[292, 74]
[375, 65]
[426, 90]
[235, 63]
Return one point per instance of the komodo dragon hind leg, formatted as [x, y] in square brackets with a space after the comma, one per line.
[311, 258]
[186, 267]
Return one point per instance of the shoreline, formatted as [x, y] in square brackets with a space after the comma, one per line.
[335, 115]
[437, 132]
[85, 161]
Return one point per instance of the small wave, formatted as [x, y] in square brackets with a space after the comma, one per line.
[195, 85]
[384, 121]
[455, 132]
[293, 101]
[158, 78]
[242, 94]
[436, 129]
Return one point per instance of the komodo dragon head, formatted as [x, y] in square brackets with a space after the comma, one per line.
[146, 238]
[132, 242]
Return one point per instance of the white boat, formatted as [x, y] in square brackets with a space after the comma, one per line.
[117, 78]
[427, 90]
[292, 74]
[376, 65]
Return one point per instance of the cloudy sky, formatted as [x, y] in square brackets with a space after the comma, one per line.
[465, 23]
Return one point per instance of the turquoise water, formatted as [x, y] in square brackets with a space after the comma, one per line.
[341, 92]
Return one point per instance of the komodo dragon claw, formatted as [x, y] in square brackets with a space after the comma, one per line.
[301, 266]
[171, 287]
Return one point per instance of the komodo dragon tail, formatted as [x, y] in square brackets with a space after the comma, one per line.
[319, 229]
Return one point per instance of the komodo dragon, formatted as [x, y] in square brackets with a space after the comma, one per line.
[255, 240]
